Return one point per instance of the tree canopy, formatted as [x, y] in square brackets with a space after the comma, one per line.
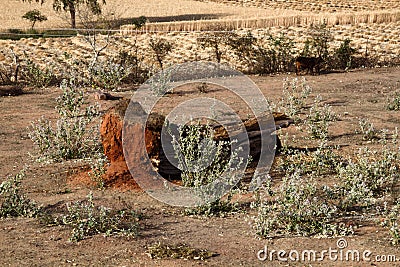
[71, 6]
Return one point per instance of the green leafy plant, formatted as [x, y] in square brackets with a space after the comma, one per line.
[324, 160]
[344, 54]
[219, 208]
[73, 136]
[160, 82]
[108, 74]
[87, 220]
[12, 202]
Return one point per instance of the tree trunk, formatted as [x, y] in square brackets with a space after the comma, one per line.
[72, 12]
[137, 145]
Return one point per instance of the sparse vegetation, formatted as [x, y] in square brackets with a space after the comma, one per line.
[394, 104]
[13, 203]
[36, 76]
[392, 223]
[296, 207]
[160, 82]
[86, 219]
[73, 135]
[370, 176]
[294, 97]
[109, 75]
[98, 164]
[367, 130]
[336, 172]
[202, 161]
[318, 119]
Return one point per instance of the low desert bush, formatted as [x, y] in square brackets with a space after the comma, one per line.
[370, 175]
[108, 74]
[203, 161]
[98, 165]
[367, 130]
[394, 103]
[87, 220]
[296, 207]
[294, 97]
[13, 203]
[36, 76]
[392, 222]
[319, 119]
[323, 161]
[160, 83]
[73, 135]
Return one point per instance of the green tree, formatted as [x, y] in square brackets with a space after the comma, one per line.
[344, 54]
[34, 16]
[71, 6]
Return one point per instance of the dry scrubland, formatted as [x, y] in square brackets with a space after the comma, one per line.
[376, 39]
[379, 40]
[345, 102]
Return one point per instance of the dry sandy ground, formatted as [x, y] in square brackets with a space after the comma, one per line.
[25, 242]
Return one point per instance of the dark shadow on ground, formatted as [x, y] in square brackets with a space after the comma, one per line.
[117, 23]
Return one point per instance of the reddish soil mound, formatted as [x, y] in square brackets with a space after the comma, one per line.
[117, 174]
